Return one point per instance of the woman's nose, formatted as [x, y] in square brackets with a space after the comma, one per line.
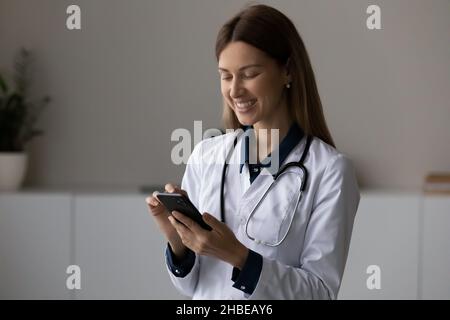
[236, 89]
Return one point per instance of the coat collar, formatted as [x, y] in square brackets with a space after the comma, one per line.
[292, 138]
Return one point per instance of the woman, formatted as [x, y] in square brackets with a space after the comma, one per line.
[282, 244]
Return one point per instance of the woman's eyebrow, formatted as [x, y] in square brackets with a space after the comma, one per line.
[244, 67]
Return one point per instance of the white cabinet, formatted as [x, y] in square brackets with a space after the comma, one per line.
[111, 238]
[385, 234]
[436, 248]
[119, 249]
[34, 246]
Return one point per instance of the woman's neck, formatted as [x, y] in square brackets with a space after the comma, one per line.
[263, 132]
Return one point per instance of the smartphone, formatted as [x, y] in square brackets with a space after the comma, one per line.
[182, 204]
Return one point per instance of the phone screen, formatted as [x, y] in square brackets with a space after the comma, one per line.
[182, 204]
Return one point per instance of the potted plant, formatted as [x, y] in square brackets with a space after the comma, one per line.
[18, 116]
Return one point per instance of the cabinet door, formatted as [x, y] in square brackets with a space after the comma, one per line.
[385, 234]
[436, 248]
[119, 249]
[34, 246]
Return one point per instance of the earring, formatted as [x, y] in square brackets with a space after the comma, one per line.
[288, 85]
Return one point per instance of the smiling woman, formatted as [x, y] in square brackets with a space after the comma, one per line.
[280, 225]
[253, 86]
[267, 42]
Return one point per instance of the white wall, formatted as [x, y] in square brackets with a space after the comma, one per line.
[139, 69]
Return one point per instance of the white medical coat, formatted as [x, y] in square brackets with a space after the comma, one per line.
[310, 262]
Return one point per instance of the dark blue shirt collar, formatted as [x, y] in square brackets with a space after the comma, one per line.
[292, 138]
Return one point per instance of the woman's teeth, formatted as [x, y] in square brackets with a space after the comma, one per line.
[245, 105]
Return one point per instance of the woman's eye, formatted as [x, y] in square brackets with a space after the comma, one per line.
[244, 76]
[250, 75]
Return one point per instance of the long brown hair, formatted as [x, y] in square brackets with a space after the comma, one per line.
[271, 31]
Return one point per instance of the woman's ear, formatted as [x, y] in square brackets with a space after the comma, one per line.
[287, 68]
[287, 64]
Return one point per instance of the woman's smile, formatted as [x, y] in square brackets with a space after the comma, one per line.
[245, 106]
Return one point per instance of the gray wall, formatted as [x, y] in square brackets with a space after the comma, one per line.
[139, 69]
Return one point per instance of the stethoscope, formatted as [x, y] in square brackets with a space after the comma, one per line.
[280, 172]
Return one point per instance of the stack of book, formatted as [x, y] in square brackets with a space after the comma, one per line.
[437, 183]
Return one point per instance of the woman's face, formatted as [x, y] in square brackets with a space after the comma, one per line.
[252, 83]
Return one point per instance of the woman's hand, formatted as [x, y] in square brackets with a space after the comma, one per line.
[160, 214]
[220, 242]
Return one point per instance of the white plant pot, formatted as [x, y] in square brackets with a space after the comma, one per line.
[13, 167]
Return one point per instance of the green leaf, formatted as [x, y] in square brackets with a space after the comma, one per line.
[18, 112]
[3, 85]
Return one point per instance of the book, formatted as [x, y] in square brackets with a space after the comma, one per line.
[437, 183]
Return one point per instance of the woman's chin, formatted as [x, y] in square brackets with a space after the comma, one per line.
[247, 122]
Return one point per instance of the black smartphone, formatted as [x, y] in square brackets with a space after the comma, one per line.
[182, 204]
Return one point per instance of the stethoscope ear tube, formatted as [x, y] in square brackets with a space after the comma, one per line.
[298, 164]
[222, 184]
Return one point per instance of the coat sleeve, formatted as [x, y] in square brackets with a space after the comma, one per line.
[326, 245]
[191, 183]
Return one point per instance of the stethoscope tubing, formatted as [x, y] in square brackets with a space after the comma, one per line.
[281, 171]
